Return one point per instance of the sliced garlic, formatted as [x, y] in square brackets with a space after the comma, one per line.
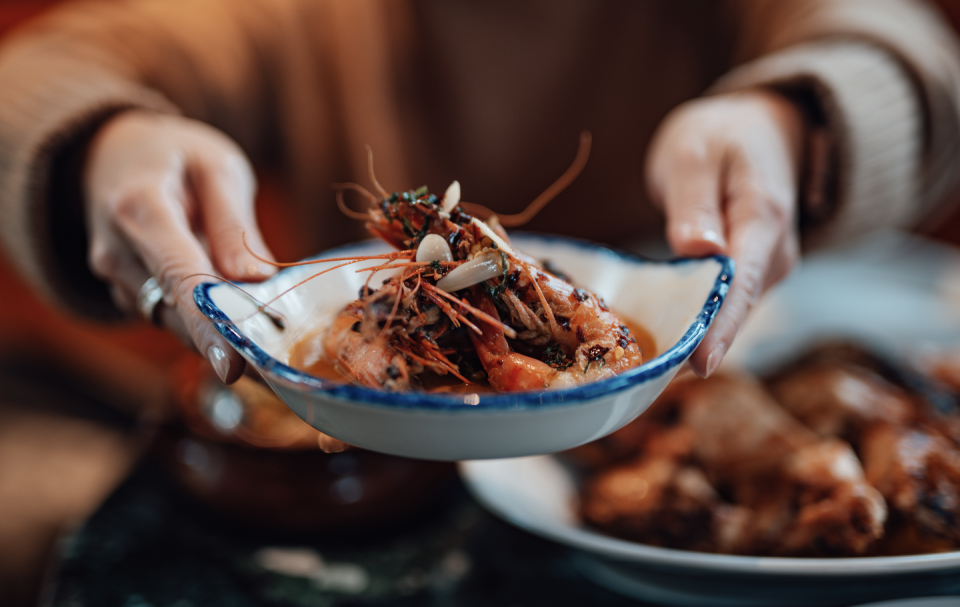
[483, 267]
[489, 233]
[434, 248]
[451, 198]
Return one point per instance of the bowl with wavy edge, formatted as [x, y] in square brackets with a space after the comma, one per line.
[676, 301]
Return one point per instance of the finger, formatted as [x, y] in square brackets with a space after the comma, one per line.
[745, 290]
[786, 259]
[112, 260]
[170, 319]
[690, 186]
[158, 230]
[226, 184]
[754, 244]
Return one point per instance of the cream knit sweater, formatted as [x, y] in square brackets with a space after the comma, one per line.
[491, 93]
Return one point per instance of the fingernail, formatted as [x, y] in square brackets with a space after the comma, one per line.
[219, 361]
[713, 361]
[714, 237]
[263, 269]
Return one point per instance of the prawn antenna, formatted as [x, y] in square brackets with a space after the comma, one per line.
[405, 254]
[262, 308]
[562, 182]
[373, 177]
[340, 187]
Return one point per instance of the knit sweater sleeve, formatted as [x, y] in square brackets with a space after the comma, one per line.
[884, 77]
[65, 74]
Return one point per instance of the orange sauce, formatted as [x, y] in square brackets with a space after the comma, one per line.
[645, 341]
[307, 356]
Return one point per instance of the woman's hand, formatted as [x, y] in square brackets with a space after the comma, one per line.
[725, 169]
[171, 198]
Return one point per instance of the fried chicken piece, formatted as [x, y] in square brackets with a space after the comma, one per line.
[908, 447]
[741, 433]
[822, 505]
[943, 366]
[836, 399]
[662, 502]
[918, 472]
[792, 492]
[810, 495]
[840, 390]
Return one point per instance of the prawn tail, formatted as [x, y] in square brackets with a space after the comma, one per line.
[506, 370]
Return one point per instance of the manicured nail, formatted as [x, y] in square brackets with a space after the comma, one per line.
[714, 237]
[261, 269]
[713, 361]
[219, 361]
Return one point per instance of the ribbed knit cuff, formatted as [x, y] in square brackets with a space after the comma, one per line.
[873, 119]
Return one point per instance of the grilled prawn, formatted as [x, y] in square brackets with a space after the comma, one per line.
[465, 302]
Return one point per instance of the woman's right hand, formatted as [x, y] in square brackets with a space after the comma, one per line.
[726, 170]
[172, 198]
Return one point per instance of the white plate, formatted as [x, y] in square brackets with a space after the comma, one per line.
[676, 301]
[892, 292]
[539, 494]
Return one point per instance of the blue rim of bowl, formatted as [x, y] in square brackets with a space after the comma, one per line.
[658, 366]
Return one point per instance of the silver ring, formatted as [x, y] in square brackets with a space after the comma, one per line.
[148, 298]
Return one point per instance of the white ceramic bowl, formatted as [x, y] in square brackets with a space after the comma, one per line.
[675, 301]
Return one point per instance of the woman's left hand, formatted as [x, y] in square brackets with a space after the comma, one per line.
[726, 170]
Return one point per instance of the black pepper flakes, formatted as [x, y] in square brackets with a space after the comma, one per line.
[595, 354]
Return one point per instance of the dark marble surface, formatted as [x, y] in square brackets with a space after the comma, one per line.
[150, 545]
